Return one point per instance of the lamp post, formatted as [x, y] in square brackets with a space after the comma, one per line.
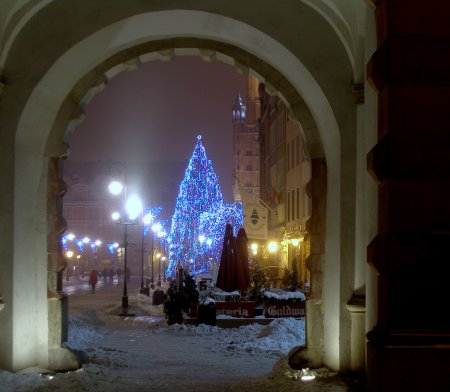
[160, 234]
[133, 206]
[142, 260]
[146, 220]
[156, 228]
[151, 255]
[158, 258]
[164, 267]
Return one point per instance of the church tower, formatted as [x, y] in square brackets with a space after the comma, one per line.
[246, 150]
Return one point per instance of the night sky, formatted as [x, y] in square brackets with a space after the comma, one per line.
[155, 113]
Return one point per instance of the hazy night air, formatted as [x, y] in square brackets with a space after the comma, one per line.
[154, 114]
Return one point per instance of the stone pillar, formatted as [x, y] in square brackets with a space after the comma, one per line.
[409, 349]
[313, 354]
[315, 226]
[59, 358]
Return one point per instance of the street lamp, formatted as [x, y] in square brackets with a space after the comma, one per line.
[272, 246]
[158, 258]
[156, 228]
[161, 234]
[254, 248]
[164, 267]
[133, 206]
[146, 220]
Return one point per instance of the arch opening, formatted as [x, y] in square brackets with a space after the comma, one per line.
[46, 132]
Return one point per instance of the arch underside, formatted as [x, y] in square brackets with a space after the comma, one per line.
[96, 80]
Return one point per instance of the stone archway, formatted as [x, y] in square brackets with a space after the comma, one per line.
[55, 100]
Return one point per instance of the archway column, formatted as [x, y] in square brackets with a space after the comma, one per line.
[313, 354]
[409, 349]
[57, 301]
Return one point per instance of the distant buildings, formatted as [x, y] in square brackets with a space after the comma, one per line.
[270, 161]
[87, 208]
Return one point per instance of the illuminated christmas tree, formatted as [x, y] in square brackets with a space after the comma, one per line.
[200, 216]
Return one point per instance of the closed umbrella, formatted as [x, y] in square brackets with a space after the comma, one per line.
[230, 276]
[225, 266]
[242, 250]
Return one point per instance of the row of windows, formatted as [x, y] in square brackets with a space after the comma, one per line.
[85, 212]
[293, 153]
[277, 132]
[247, 167]
[248, 153]
[293, 204]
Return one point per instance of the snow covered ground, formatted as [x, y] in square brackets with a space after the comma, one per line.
[143, 353]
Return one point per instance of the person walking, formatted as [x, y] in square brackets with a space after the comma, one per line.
[105, 274]
[111, 275]
[93, 279]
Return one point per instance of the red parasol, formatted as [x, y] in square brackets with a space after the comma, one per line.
[230, 276]
[242, 250]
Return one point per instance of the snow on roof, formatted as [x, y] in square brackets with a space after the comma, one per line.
[284, 295]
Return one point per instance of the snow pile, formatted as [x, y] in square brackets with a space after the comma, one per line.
[282, 335]
[83, 330]
[278, 337]
[144, 303]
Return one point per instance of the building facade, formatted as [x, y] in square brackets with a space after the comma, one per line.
[285, 173]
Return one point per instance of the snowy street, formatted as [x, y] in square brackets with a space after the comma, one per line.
[143, 353]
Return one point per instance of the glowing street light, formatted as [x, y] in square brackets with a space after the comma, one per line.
[272, 246]
[115, 187]
[133, 207]
[157, 227]
[254, 248]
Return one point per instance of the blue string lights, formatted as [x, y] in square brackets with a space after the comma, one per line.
[200, 217]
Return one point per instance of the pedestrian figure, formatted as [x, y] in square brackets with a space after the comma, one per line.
[93, 279]
[111, 275]
[105, 274]
[119, 274]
